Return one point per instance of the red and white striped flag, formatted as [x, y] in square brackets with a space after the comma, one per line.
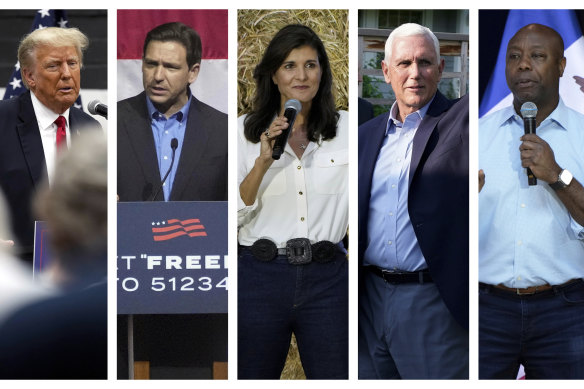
[211, 84]
[174, 228]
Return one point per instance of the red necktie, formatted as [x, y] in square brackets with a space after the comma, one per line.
[61, 133]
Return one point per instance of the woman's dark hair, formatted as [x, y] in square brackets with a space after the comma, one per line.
[181, 33]
[323, 117]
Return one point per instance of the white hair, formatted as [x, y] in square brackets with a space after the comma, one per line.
[410, 29]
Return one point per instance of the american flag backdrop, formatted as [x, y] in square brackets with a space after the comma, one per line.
[211, 84]
[498, 95]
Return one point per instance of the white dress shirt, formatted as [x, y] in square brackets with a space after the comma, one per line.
[48, 130]
[298, 198]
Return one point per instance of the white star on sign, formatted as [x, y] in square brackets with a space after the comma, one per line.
[15, 83]
[44, 12]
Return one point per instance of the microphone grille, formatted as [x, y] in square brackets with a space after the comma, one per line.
[91, 106]
[528, 110]
[294, 104]
[174, 143]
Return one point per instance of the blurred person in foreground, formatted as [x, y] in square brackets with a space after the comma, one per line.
[413, 221]
[292, 216]
[40, 123]
[16, 283]
[65, 337]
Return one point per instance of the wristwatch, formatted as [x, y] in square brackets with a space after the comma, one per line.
[564, 179]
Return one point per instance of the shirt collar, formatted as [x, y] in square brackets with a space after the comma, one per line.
[393, 114]
[180, 116]
[44, 115]
[558, 115]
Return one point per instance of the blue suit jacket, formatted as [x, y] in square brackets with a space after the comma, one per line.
[438, 194]
[202, 170]
[22, 162]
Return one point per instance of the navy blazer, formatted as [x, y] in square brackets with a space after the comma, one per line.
[22, 162]
[202, 169]
[438, 194]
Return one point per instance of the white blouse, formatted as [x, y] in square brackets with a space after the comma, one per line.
[298, 198]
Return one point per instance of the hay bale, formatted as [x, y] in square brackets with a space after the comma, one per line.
[257, 27]
[293, 368]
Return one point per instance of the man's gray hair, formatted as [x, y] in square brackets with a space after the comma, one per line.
[410, 29]
[75, 206]
[50, 36]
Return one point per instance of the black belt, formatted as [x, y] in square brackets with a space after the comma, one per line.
[401, 277]
[299, 251]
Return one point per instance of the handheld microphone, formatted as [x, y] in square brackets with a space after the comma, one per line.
[529, 111]
[291, 109]
[173, 146]
[97, 108]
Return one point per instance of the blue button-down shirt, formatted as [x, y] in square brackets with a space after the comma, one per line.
[392, 242]
[526, 235]
[164, 130]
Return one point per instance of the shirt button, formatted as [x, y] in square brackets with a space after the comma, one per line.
[389, 243]
[302, 219]
[519, 243]
[522, 205]
[393, 185]
[298, 167]
[332, 160]
[165, 157]
[519, 278]
[166, 132]
[391, 214]
[300, 193]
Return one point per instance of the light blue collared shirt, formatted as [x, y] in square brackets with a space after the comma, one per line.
[164, 130]
[392, 242]
[526, 235]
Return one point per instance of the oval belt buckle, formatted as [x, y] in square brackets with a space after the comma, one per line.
[264, 249]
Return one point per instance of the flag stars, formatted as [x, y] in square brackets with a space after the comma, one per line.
[15, 83]
[44, 13]
[17, 66]
[62, 23]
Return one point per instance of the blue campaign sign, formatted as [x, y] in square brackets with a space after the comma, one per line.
[172, 257]
[42, 250]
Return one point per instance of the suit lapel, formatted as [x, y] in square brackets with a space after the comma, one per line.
[193, 149]
[374, 141]
[75, 123]
[433, 115]
[139, 131]
[30, 140]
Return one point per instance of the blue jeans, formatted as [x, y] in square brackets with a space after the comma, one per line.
[543, 332]
[276, 299]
